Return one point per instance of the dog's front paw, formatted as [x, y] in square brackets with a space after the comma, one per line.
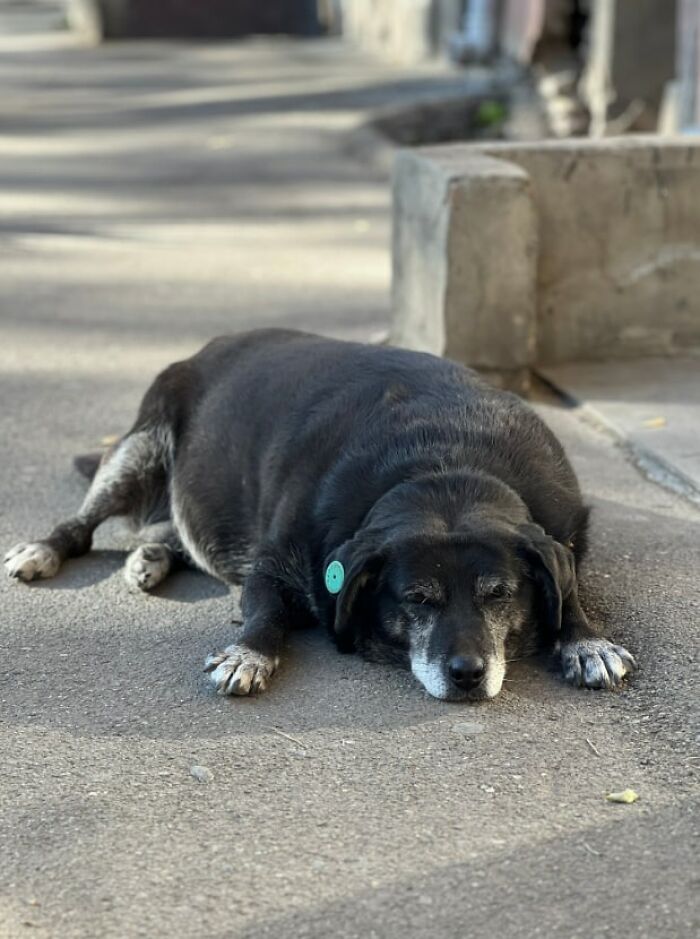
[31, 561]
[147, 566]
[595, 663]
[240, 670]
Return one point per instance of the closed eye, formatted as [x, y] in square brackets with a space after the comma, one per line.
[422, 596]
[492, 591]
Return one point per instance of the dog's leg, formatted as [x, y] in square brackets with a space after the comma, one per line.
[151, 562]
[271, 607]
[124, 482]
[247, 666]
[587, 659]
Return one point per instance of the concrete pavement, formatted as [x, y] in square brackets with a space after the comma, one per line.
[152, 196]
[651, 406]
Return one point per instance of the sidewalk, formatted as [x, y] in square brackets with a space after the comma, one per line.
[152, 196]
[205, 186]
[650, 406]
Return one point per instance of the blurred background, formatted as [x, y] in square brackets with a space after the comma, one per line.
[172, 170]
[597, 66]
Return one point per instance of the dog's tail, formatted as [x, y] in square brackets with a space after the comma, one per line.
[87, 464]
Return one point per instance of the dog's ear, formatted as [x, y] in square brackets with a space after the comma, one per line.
[362, 559]
[551, 567]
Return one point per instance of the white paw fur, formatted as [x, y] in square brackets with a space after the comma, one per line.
[239, 670]
[32, 561]
[595, 663]
[147, 566]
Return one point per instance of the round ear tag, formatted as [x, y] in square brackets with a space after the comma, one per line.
[335, 577]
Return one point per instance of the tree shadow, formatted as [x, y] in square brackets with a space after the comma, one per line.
[446, 891]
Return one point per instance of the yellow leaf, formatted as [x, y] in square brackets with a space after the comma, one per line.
[655, 422]
[627, 796]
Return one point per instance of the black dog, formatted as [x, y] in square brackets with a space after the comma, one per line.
[391, 495]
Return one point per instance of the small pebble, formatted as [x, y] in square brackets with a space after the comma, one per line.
[469, 728]
[201, 774]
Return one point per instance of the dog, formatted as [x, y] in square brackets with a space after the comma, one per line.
[420, 515]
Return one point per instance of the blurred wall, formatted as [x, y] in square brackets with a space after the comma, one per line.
[113, 19]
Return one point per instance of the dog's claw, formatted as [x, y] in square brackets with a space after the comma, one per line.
[147, 566]
[29, 562]
[239, 670]
[596, 663]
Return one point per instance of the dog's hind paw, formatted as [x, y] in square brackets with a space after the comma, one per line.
[32, 561]
[595, 663]
[239, 670]
[147, 566]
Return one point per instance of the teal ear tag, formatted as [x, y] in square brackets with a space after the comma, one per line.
[335, 577]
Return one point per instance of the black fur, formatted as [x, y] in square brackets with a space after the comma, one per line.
[451, 505]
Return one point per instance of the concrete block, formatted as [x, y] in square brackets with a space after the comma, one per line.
[618, 272]
[464, 257]
[507, 255]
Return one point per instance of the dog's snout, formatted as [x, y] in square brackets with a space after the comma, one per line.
[467, 671]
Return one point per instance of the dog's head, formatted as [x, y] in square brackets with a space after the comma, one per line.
[448, 605]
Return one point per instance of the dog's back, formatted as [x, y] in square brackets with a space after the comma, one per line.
[260, 418]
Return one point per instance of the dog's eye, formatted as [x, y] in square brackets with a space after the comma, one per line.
[495, 592]
[421, 597]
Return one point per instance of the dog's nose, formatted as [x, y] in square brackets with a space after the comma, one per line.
[467, 671]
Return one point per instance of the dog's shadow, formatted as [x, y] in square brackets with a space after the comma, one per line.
[182, 586]
[78, 573]
[190, 586]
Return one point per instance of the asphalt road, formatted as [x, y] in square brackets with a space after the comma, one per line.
[146, 205]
